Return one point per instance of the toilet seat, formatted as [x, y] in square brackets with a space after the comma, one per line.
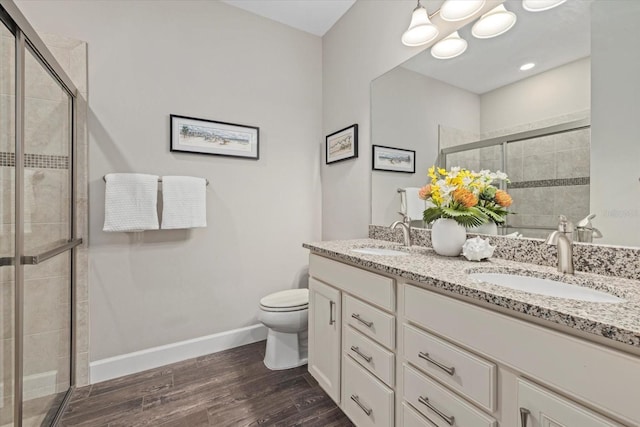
[286, 301]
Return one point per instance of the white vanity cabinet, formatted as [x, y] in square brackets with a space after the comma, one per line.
[430, 359]
[556, 380]
[542, 408]
[352, 353]
[324, 337]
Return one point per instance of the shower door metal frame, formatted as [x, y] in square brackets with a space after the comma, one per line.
[27, 38]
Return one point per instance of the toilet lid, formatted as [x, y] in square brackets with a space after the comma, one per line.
[286, 299]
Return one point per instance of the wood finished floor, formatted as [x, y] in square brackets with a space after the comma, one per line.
[230, 388]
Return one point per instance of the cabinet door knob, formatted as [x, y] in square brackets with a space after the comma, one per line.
[448, 370]
[449, 419]
[357, 351]
[361, 320]
[524, 415]
[332, 319]
[356, 399]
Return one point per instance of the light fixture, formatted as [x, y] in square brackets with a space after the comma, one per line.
[449, 47]
[459, 10]
[540, 5]
[421, 30]
[527, 66]
[493, 23]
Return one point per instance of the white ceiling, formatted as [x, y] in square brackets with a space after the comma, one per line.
[550, 39]
[313, 16]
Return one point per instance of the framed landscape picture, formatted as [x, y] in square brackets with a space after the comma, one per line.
[201, 136]
[393, 159]
[342, 145]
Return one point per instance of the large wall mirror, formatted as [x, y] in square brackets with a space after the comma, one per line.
[566, 131]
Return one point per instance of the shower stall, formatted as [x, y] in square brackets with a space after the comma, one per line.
[38, 230]
[548, 167]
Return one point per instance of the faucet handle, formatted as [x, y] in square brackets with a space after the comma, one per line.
[405, 218]
[564, 225]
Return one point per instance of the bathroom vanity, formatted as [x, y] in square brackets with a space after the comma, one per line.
[408, 339]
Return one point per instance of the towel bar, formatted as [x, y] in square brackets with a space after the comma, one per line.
[104, 178]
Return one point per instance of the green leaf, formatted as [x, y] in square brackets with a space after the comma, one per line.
[431, 214]
[468, 217]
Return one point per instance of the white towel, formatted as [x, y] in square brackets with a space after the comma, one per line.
[411, 205]
[130, 202]
[184, 202]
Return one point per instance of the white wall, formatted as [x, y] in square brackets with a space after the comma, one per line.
[209, 60]
[363, 45]
[557, 92]
[615, 125]
[406, 110]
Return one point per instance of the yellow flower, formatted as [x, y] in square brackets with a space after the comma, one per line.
[442, 171]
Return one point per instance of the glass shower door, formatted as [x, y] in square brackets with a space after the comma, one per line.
[47, 183]
[7, 225]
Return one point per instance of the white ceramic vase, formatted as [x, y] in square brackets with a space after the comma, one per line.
[447, 237]
[489, 228]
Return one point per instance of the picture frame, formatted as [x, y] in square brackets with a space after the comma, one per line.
[393, 159]
[202, 136]
[342, 145]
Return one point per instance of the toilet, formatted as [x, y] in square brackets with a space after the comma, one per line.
[286, 314]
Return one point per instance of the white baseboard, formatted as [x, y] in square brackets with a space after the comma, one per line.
[138, 361]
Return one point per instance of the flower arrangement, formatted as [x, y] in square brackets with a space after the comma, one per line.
[470, 198]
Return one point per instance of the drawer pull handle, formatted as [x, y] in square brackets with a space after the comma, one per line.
[524, 414]
[448, 370]
[357, 351]
[425, 401]
[359, 319]
[356, 399]
[332, 320]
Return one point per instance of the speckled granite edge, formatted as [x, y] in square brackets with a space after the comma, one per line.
[619, 322]
[616, 261]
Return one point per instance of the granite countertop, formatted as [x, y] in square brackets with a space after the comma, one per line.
[616, 321]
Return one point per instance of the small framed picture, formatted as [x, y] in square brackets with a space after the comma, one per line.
[393, 159]
[342, 145]
[200, 136]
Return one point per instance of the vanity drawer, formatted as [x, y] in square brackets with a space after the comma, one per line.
[411, 417]
[371, 355]
[439, 405]
[365, 400]
[370, 321]
[470, 375]
[371, 287]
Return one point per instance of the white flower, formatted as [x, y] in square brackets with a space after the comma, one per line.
[501, 175]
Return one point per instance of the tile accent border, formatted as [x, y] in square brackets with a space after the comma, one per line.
[616, 261]
[36, 161]
[562, 182]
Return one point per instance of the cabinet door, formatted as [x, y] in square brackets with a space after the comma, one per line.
[542, 408]
[324, 337]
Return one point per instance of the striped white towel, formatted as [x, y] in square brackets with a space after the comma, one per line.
[184, 202]
[131, 201]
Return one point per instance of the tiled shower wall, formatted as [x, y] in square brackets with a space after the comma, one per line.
[549, 175]
[47, 309]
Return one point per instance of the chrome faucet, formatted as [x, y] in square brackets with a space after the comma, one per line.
[563, 239]
[406, 228]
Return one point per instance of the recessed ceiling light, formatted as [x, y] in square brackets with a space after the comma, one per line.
[527, 66]
[458, 10]
[540, 5]
[493, 23]
[449, 47]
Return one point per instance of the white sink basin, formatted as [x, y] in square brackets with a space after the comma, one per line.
[552, 288]
[379, 251]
